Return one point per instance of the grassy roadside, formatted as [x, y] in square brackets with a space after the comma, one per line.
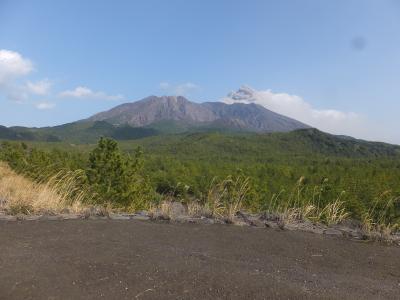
[226, 202]
[21, 195]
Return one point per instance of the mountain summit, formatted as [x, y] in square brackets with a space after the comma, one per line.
[154, 109]
[237, 116]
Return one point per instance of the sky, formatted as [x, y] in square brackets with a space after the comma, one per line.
[334, 65]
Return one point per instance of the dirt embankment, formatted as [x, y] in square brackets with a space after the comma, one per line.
[111, 259]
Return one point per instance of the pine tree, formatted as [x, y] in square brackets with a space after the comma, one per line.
[116, 178]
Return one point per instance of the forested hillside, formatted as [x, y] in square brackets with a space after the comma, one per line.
[280, 167]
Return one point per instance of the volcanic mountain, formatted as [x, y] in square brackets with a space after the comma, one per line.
[237, 116]
[174, 118]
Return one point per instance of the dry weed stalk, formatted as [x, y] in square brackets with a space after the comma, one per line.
[298, 206]
[225, 198]
[378, 220]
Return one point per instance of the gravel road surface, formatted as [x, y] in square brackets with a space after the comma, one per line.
[111, 259]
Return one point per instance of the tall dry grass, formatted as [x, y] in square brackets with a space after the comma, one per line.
[226, 197]
[298, 205]
[379, 217]
[19, 194]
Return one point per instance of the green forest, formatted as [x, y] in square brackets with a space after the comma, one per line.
[305, 166]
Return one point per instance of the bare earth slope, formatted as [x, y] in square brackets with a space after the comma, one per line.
[94, 259]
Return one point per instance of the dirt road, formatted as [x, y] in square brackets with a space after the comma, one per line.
[94, 259]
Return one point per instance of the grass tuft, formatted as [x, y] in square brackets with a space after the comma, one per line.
[20, 195]
[225, 198]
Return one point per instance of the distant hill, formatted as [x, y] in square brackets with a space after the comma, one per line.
[173, 137]
[77, 132]
[256, 147]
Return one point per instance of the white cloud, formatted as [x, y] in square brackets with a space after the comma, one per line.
[182, 89]
[82, 92]
[329, 120]
[16, 85]
[45, 105]
[164, 85]
[41, 87]
[13, 65]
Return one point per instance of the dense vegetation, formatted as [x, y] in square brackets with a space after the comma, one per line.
[304, 166]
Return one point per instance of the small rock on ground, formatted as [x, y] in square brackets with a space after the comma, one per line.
[334, 232]
[119, 217]
[4, 217]
[141, 217]
[177, 210]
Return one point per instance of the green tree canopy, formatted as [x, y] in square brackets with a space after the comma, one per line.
[115, 177]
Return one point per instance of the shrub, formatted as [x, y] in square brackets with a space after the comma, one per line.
[115, 178]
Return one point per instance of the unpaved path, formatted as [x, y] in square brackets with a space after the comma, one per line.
[94, 259]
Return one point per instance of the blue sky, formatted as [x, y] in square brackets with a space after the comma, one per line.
[332, 64]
